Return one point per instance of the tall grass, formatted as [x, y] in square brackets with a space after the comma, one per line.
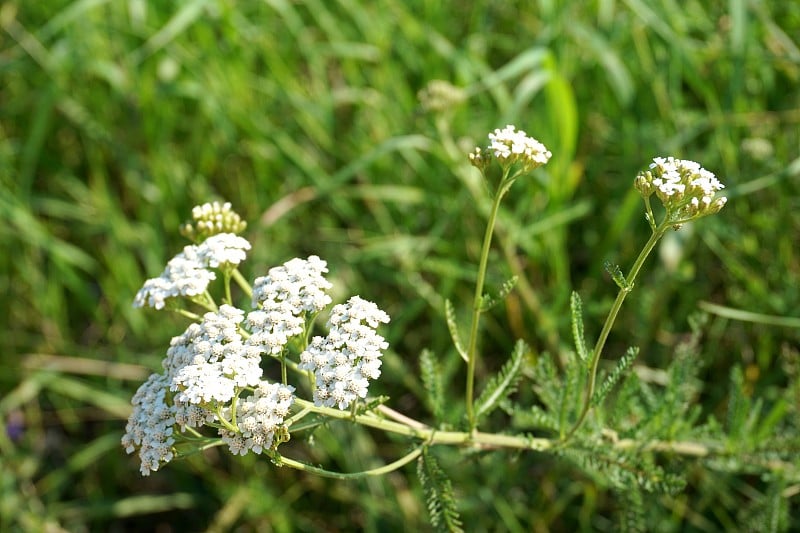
[116, 117]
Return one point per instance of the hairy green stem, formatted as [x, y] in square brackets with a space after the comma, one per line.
[610, 319]
[472, 356]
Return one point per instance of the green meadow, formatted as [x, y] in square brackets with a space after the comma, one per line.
[315, 120]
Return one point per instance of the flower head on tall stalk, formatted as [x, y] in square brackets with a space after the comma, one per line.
[510, 146]
[686, 190]
[517, 154]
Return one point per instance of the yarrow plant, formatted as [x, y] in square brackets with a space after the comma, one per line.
[244, 376]
[212, 375]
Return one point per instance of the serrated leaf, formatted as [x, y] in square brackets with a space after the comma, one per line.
[547, 382]
[617, 275]
[576, 309]
[487, 301]
[439, 497]
[504, 383]
[452, 326]
[534, 418]
[431, 376]
[621, 368]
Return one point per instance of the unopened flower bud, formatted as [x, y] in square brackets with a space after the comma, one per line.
[210, 219]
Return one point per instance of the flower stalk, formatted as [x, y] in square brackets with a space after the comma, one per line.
[517, 154]
[477, 302]
[630, 280]
[687, 192]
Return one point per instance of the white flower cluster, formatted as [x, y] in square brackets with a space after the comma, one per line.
[218, 364]
[205, 369]
[212, 372]
[284, 298]
[185, 275]
[223, 249]
[260, 417]
[188, 274]
[299, 283]
[685, 188]
[150, 425]
[509, 146]
[345, 360]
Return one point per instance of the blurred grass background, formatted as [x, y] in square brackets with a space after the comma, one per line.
[116, 117]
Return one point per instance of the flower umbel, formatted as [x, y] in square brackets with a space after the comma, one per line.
[510, 146]
[150, 425]
[188, 273]
[345, 360]
[185, 275]
[686, 189]
[223, 249]
[298, 283]
[260, 419]
[212, 373]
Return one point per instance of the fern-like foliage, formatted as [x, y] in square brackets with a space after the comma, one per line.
[452, 326]
[631, 514]
[620, 370]
[576, 311]
[664, 406]
[439, 495]
[504, 383]
[622, 470]
[617, 275]
[431, 376]
[769, 512]
[560, 393]
[487, 301]
[533, 418]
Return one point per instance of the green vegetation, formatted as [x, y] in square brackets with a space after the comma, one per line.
[116, 117]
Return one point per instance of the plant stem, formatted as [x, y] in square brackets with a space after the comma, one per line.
[281, 460]
[610, 319]
[227, 282]
[488, 441]
[472, 356]
[243, 284]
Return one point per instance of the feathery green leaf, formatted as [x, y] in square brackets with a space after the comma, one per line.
[431, 376]
[487, 301]
[631, 513]
[617, 275]
[504, 383]
[613, 378]
[452, 326]
[441, 502]
[576, 309]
